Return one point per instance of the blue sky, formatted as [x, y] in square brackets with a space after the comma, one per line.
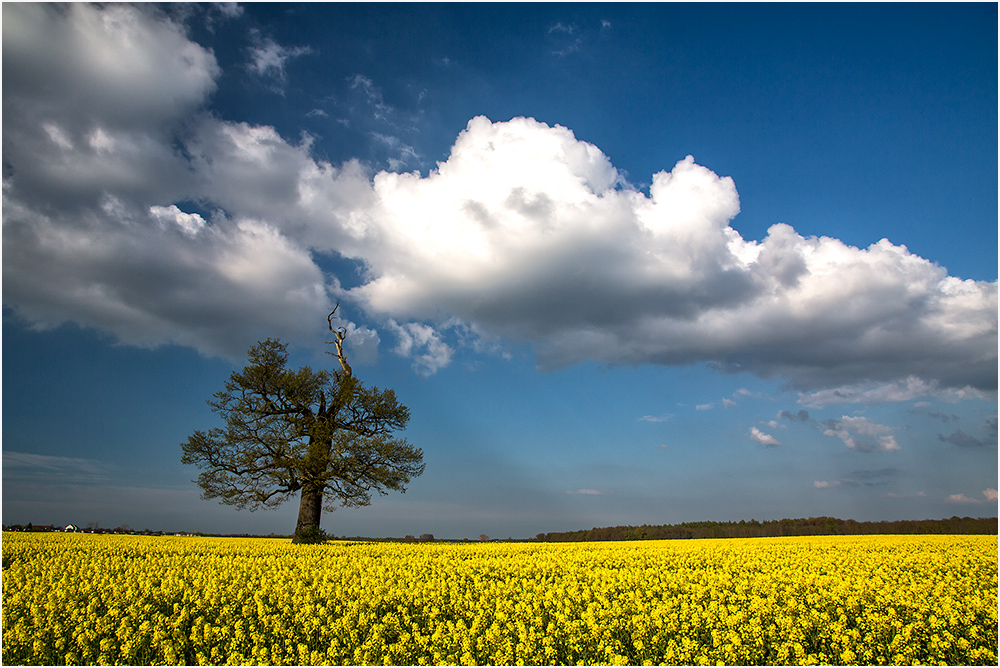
[626, 264]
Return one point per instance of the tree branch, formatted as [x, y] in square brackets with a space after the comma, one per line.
[339, 334]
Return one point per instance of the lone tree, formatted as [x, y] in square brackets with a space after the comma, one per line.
[321, 433]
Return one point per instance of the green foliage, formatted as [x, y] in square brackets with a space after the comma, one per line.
[286, 430]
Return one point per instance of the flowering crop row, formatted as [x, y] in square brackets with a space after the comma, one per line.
[86, 599]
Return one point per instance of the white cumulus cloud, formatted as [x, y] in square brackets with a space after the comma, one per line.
[189, 223]
[990, 495]
[424, 344]
[763, 438]
[531, 234]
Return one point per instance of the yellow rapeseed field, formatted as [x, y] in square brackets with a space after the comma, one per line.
[86, 599]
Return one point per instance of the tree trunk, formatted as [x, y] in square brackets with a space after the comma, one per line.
[310, 509]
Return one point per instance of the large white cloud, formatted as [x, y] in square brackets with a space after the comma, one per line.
[525, 232]
[124, 66]
[528, 232]
[104, 136]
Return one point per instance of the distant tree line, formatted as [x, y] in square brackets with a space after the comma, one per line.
[123, 529]
[812, 526]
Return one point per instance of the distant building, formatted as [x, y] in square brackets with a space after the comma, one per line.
[426, 536]
[71, 527]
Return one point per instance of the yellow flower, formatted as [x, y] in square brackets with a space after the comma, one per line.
[864, 599]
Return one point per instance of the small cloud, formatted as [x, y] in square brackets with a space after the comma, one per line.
[563, 28]
[749, 394]
[361, 81]
[605, 25]
[217, 13]
[664, 446]
[894, 495]
[937, 415]
[587, 492]
[568, 35]
[656, 418]
[381, 111]
[909, 389]
[704, 407]
[471, 336]
[57, 136]
[728, 403]
[851, 429]
[414, 337]
[317, 113]
[989, 494]
[362, 343]
[230, 10]
[188, 223]
[961, 439]
[405, 154]
[862, 478]
[268, 58]
[762, 438]
[961, 498]
[835, 484]
[801, 416]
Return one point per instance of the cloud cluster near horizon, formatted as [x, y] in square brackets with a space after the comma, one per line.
[988, 496]
[129, 208]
